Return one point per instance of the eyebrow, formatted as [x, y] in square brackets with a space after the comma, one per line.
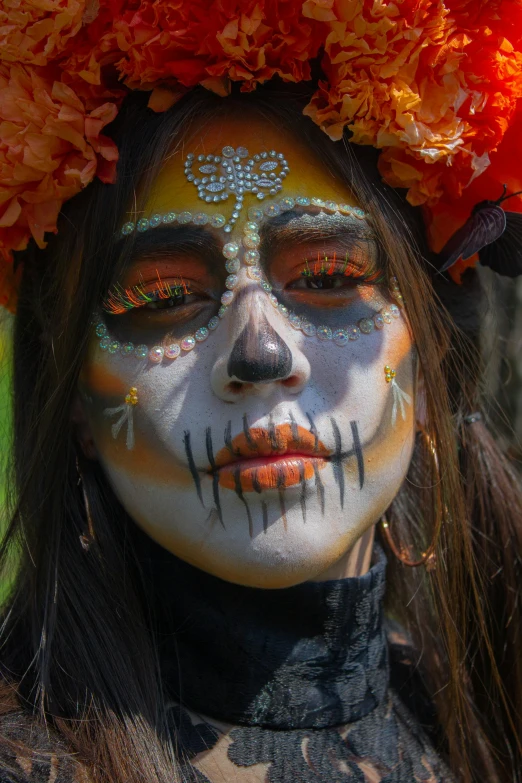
[300, 228]
[166, 241]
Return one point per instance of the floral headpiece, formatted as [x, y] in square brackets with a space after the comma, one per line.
[436, 85]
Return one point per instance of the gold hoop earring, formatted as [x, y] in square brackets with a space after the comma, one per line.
[86, 538]
[427, 558]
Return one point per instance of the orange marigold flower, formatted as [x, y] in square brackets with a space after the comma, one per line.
[434, 84]
[209, 43]
[51, 147]
[37, 32]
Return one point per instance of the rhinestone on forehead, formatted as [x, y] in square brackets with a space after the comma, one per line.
[234, 173]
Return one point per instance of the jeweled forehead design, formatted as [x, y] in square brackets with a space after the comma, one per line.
[234, 173]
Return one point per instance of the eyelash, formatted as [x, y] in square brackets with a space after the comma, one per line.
[121, 300]
[323, 267]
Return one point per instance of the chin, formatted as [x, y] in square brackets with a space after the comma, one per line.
[274, 559]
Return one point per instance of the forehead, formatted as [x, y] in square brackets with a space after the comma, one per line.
[307, 176]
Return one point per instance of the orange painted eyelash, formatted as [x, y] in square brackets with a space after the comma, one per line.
[323, 266]
[120, 300]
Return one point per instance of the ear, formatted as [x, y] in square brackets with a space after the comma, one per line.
[420, 397]
[82, 430]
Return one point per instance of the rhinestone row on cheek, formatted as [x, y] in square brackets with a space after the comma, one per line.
[250, 242]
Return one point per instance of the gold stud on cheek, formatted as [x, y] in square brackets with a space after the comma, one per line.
[389, 374]
[399, 396]
[126, 416]
[132, 396]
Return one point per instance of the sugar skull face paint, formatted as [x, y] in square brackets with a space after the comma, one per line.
[262, 445]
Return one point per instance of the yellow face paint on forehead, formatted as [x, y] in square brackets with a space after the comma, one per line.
[307, 176]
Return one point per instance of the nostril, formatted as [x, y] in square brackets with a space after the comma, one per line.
[292, 381]
[236, 387]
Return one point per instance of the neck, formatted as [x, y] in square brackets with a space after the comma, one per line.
[313, 655]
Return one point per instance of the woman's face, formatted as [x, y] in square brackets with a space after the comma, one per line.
[262, 454]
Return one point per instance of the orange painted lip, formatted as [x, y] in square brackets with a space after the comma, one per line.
[262, 459]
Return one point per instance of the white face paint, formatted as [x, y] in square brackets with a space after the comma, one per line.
[263, 454]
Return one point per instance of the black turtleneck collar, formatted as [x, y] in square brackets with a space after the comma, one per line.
[310, 656]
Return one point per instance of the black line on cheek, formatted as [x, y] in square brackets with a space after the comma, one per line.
[192, 465]
[358, 452]
[215, 476]
[248, 435]
[336, 460]
[313, 430]
[302, 498]
[265, 516]
[319, 486]
[239, 493]
[294, 428]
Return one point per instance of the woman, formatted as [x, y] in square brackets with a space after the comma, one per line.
[230, 366]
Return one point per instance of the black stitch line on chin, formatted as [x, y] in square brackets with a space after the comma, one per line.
[280, 488]
[319, 486]
[302, 498]
[293, 427]
[215, 476]
[283, 507]
[336, 460]
[313, 430]
[192, 465]
[239, 493]
[265, 516]
[248, 435]
[255, 482]
[357, 446]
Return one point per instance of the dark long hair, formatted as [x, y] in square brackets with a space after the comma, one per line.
[78, 647]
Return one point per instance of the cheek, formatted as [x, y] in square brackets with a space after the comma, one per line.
[171, 399]
[352, 384]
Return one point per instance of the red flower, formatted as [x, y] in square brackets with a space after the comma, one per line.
[433, 84]
[181, 44]
[445, 217]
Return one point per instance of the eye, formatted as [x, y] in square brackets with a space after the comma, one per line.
[179, 297]
[163, 296]
[329, 274]
[324, 282]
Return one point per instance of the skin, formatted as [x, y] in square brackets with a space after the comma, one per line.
[306, 459]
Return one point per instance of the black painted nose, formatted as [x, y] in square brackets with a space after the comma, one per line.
[259, 354]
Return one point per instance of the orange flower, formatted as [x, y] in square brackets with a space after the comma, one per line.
[184, 44]
[433, 84]
[50, 148]
[38, 31]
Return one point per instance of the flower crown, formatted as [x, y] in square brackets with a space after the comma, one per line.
[435, 85]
